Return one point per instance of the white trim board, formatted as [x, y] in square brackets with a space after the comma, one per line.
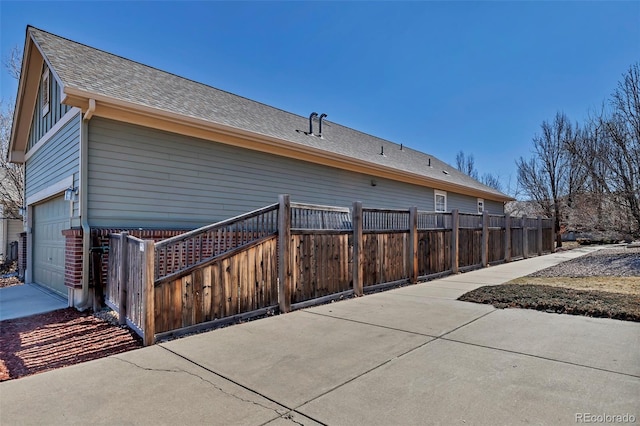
[70, 115]
[51, 190]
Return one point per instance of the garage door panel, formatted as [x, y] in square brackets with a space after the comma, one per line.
[49, 219]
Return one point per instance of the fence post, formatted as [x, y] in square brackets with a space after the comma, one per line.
[284, 253]
[485, 238]
[539, 236]
[507, 237]
[525, 237]
[122, 284]
[148, 297]
[413, 245]
[358, 272]
[455, 233]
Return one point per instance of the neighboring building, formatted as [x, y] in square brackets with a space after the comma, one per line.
[10, 230]
[135, 147]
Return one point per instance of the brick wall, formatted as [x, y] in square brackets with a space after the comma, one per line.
[100, 239]
[73, 257]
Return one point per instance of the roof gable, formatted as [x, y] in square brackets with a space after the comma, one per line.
[87, 73]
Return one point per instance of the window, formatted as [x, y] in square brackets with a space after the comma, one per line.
[440, 201]
[45, 91]
[480, 205]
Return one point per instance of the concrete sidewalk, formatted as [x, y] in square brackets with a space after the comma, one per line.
[407, 356]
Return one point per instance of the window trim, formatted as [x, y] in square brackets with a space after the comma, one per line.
[436, 194]
[480, 202]
[45, 91]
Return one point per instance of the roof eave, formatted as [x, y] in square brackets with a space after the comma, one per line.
[28, 86]
[119, 110]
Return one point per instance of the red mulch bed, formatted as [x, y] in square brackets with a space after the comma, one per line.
[58, 339]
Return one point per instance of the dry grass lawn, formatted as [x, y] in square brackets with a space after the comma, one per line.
[604, 284]
[623, 285]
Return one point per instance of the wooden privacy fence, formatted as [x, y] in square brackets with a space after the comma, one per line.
[130, 283]
[191, 248]
[290, 255]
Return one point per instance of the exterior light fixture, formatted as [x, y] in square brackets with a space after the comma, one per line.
[22, 211]
[70, 194]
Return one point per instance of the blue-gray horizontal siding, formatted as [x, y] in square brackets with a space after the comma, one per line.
[57, 159]
[461, 202]
[141, 177]
[494, 207]
[42, 124]
[465, 203]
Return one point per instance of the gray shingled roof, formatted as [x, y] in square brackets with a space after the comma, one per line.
[98, 72]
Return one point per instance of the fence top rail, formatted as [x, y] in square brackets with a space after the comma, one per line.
[386, 231]
[220, 224]
[134, 239]
[369, 209]
[320, 207]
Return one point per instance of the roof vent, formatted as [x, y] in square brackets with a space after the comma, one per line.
[445, 172]
[313, 114]
[382, 150]
[323, 115]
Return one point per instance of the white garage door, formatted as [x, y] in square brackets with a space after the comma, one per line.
[49, 219]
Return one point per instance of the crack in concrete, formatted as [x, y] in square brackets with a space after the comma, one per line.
[289, 416]
[289, 410]
[218, 388]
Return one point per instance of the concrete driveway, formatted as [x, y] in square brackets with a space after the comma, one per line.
[28, 299]
[408, 356]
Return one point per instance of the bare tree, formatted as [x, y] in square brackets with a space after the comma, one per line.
[466, 164]
[544, 177]
[608, 149]
[13, 63]
[492, 181]
[11, 175]
[622, 133]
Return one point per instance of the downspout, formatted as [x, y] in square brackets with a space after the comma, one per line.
[82, 199]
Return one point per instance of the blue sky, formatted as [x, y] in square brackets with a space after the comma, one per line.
[437, 76]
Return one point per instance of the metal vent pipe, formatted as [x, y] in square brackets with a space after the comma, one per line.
[323, 115]
[313, 114]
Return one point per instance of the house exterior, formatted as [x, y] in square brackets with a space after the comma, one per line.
[110, 144]
[10, 230]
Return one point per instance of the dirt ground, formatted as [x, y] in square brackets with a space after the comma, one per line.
[604, 284]
[58, 339]
[10, 281]
[8, 269]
